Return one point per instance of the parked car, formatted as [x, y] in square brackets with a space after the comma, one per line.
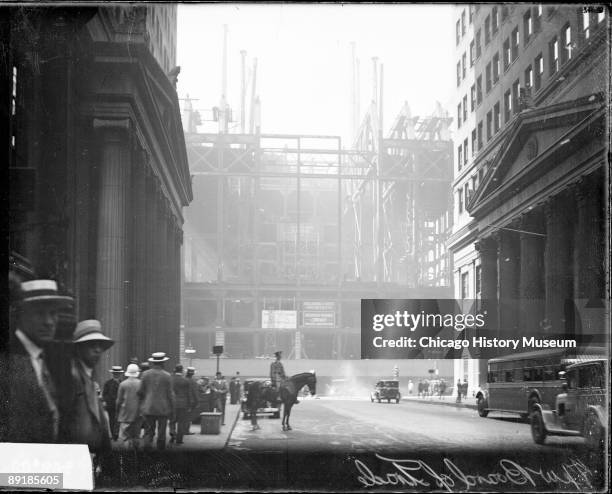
[580, 408]
[386, 390]
[268, 405]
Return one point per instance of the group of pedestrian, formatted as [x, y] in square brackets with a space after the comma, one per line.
[51, 393]
[462, 389]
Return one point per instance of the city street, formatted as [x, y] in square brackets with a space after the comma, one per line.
[357, 426]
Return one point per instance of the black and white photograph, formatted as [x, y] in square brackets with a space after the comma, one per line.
[306, 247]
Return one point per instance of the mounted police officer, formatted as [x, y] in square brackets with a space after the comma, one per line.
[277, 373]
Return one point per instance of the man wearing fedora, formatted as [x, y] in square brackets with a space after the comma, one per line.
[185, 400]
[157, 400]
[88, 422]
[29, 392]
[128, 407]
[109, 397]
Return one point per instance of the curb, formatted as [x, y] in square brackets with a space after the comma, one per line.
[445, 403]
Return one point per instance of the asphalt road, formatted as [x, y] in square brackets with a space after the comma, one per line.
[407, 427]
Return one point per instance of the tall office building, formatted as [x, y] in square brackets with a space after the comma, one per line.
[531, 168]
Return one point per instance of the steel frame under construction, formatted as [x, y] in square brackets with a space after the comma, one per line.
[280, 221]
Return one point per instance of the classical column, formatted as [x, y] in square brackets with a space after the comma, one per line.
[161, 287]
[590, 237]
[531, 286]
[487, 248]
[111, 266]
[558, 262]
[508, 282]
[138, 324]
[151, 266]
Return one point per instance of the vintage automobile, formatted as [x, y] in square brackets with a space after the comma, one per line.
[386, 390]
[580, 408]
[267, 405]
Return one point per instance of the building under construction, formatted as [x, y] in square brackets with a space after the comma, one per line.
[287, 233]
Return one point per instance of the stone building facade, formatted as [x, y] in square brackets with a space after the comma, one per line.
[98, 168]
[538, 210]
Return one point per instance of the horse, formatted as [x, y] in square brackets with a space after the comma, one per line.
[289, 390]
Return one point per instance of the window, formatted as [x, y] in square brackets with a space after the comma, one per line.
[507, 106]
[458, 74]
[586, 23]
[465, 152]
[463, 23]
[487, 30]
[465, 109]
[537, 18]
[504, 13]
[601, 16]
[472, 53]
[473, 98]
[463, 65]
[488, 77]
[479, 135]
[478, 44]
[477, 281]
[527, 26]
[489, 125]
[567, 43]
[470, 13]
[539, 72]
[553, 48]
[506, 54]
[516, 91]
[529, 77]
[466, 194]
[497, 117]
[474, 143]
[496, 68]
[459, 157]
[460, 201]
[494, 20]
[479, 89]
[458, 32]
[515, 43]
[459, 116]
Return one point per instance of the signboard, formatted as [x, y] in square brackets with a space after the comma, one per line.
[318, 319]
[318, 314]
[279, 319]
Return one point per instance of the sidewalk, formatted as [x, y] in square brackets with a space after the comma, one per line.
[448, 400]
[197, 441]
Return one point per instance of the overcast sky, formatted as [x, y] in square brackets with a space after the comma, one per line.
[304, 60]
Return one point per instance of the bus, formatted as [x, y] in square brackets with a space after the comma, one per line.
[517, 382]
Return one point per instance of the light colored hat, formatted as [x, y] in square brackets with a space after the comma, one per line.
[158, 357]
[115, 369]
[91, 330]
[132, 370]
[43, 291]
[191, 370]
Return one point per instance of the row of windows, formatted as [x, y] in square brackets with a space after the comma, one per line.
[464, 193]
[460, 26]
[548, 373]
[561, 48]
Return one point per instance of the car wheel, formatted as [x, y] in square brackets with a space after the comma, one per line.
[538, 429]
[482, 407]
[388, 400]
[533, 401]
[397, 400]
[593, 432]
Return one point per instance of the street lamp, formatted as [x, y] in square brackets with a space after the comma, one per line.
[190, 351]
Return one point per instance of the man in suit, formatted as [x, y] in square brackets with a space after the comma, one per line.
[88, 423]
[184, 401]
[195, 397]
[128, 407]
[32, 412]
[109, 397]
[220, 387]
[157, 400]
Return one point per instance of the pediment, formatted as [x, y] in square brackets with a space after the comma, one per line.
[534, 135]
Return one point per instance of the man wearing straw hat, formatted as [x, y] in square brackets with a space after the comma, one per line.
[32, 412]
[88, 423]
[157, 398]
[109, 397]
[128, 407]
